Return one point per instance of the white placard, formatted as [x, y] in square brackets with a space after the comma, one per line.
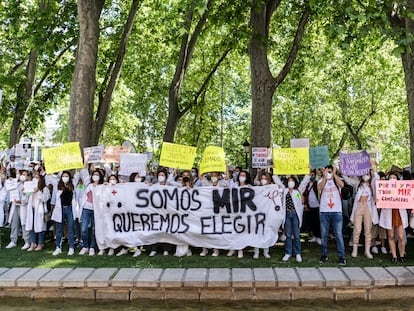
[133, 163]
[14, 195]
[94, 154]
[299, 143]
[10, 184]
[260, 157]
[30, 186]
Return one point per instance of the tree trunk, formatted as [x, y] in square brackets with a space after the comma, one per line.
[24, 96]
[84, 75]
[105, 102]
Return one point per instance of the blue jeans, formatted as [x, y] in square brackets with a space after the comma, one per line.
[37, 237]
[87, 216]
[67, 214]
[333, 219]
[292, 228]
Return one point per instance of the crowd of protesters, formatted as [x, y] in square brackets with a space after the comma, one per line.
[323, 204]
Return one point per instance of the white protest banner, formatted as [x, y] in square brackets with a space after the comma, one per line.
[133, 163]
[259, 157]
[10, 184]
[23, 152]
[299, 143]
[93, 154]
[131, 214]
[30, 186]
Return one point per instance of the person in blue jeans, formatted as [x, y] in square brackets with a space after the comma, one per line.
[330, 212]
[63, 211]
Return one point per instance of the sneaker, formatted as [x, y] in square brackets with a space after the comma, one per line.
[351, 243]
[137, 253]
[384, 250]
[83, 251]
[342, 261]
[204, 252]
[71, 251]
[189, 253]
[111, 252]
[101, 252]
[11, 245]
[153, 253]
[319, 241]
[402, 259]
[374, 250]
[215, 253]
[266, 254]
[394, 259]
[240, 254]
[323, 259]
[25, 246]
[91, 252]
[122, 252]
[286, 257]
[313, 240]
[57, 251]
[283, 237]
[165, 253]
[230, 253]
[256, 255]
[298, 258]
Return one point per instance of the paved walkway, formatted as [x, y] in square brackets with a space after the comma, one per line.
[128, 284]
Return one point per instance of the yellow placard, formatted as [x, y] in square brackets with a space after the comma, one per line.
[288, 161]
[213, 160]
[177, 156]
[62, 158]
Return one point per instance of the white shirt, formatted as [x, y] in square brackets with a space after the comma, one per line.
[330, 198]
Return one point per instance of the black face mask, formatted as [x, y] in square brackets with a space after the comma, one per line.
[186, 179]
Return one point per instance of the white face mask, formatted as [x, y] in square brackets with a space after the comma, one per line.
[36, 167]
[263, 181]
[65, 179]
[22, 178]
[291, 184]
[214, 179]
[329, 175]
[161, 178]
[95, 178]
[242, 179]
[112, 181]
[365, 178]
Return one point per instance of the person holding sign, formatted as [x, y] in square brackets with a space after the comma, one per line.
[363, 211]
[395, 220]
[64, 203]
[330, 212]
[37, 208]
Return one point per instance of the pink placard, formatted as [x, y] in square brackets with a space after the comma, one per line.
[397, 194]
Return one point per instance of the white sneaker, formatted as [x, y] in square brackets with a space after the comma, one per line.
[351, 243]
[256, 255]
[312, 240]
[71, 251]
[101, 252]
[111, 252]
[240, 254]
[298, 258]
[11, 245]
[286, 257]
[266, 254]
[91, 252]
[384, 250]
[122, 252]
[204, 252]
[283, 237]
[165, 253]
[374, 250]
[83, 251]
[25, 246]
[230, 253]
[319, 241]
[189, 253]
[137, 253]
[57, 251]
[215, 253]
[153, 253]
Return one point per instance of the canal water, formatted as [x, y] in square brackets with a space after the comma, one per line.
[19, 304]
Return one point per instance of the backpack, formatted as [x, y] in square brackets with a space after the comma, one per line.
[347, 191]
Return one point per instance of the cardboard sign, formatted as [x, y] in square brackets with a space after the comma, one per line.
[355, 164]
[62, 158]
[397, 194]
[93, 154]
[177, 156]
[213, 160]
[291, 161]
[319, 157]
[112, 153]
[133, 163]
[260, 157]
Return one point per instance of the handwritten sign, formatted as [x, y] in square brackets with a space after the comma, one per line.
[93, 154]
[213, 160]
[133, 163]
[62, 158]
[288, 161]
[112, 153]
[355, 164]
[397, 194]
[259, 157]
[299, 143]
[23, 151]
[319, 157]
[30, 186]
[177, 156]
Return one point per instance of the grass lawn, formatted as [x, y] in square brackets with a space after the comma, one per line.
[310, 252]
